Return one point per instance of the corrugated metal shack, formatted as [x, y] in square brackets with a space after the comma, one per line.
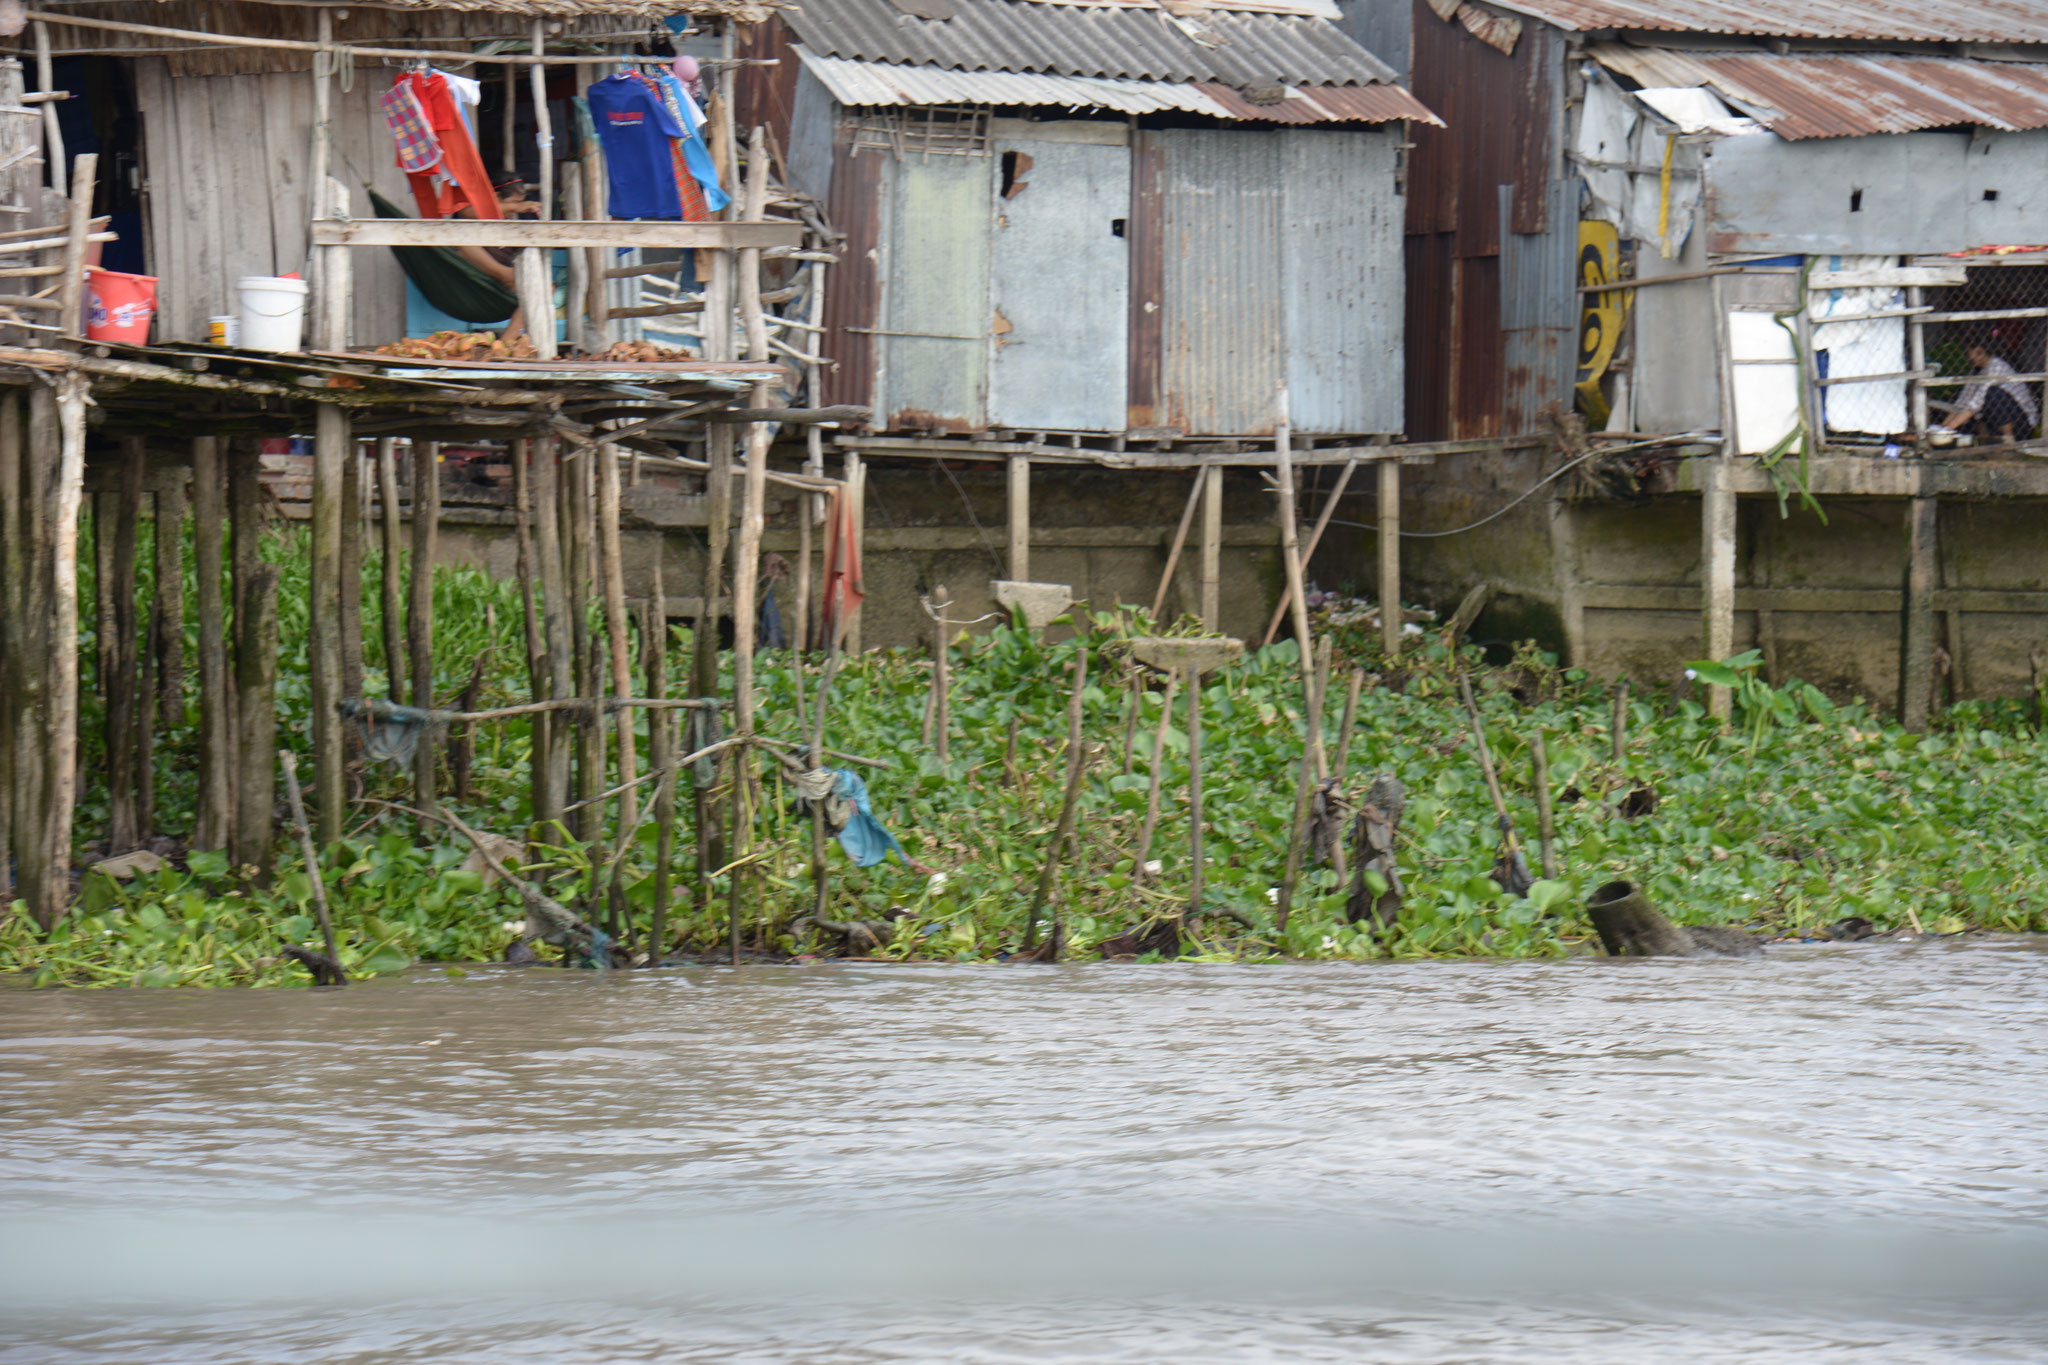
[1778, 232]
[1098, 219]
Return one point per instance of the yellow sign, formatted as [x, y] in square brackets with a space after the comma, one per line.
[1600, 322]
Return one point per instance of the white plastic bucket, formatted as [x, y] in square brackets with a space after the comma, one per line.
[272, 312]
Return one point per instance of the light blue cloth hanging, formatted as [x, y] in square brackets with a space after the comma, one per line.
[696, 153]
[862, 836]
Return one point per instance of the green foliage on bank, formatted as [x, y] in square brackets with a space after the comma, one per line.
[1799, 812]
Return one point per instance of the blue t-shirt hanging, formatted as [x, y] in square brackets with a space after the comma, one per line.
[634, 128]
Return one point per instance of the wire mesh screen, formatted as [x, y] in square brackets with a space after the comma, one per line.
[1986, 342]
[1858, 337]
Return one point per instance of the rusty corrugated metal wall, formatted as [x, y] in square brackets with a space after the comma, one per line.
[853, 208]
[1500, 113]
[1221, 303]
[1539, 310]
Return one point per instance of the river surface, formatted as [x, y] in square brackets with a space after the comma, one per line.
[1832, 1154]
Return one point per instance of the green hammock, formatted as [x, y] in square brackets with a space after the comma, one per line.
[450, 283]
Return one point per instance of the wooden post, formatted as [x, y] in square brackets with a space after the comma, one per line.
[942, 680]
[419, 624]
[1342, 765]
[811, 506]
[167, 613]
[576, 288]
[256, 723]
[42, 867]
[535, 290]
[617, 627]
[1156, 780]
[61, 772]
[1546, 821]
[53, 132]
[1390, 557]
[1194, 795]
[14, 646]
[1180, 540]
[1290, 554]
[1212, 547]
[1019, 508]
[1717, 525]
[124, 693]
[1916, 361]
[543, 122]
[1304, 784]
[216, 805]
[331, 449]
[71, 282]
[351, 615]
[396, 661]
[1308, 552]
[1916, 656]
[579, 518]
[857, 489]
[661, 757]
[322, 157]
[547, 500]
[1077, 775]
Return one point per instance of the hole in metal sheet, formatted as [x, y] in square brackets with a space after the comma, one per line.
[1855, 201]
[1116, 227]
[1991, 196]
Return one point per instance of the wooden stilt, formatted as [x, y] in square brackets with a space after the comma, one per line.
[167, 614]
[1304, 784]
[537, 681]
[13, 610]
[617, 626]
[1342, 764]
[857, 489]
[1019, 509]
[1180, 540]
[122, 687]
[547, 501]
[1390, 557]
[1546, 822]
[1156, 780]
[1308, 551]
[1916, 656]
[1290, 553]
[331, 449]
[397, 662]
[216, 804]
[1212, 547]
[40, 864]
[661, 757]
[590, 736]
[1717, 524]
[254, 729]
[419, 623]
[256, 724]
[1077, 775]
[60, 786]
[942, 681]
[351, 584]
[1195, 864]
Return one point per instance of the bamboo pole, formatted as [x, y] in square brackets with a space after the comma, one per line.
[1077, 774]
[547, 499]
[53, 132]
[747, 552]
[419, 624]
[312, 857]
[857, 479]
[13, 648]
[1157, 779]
[1390, 557]
[1212, 547]
[536, 648]
[618, 628]
[661, 756]
[1308, 553]
[396, 659]
[1195, 864]
[216, 812]
[1290, 551]
[811, 506]
[1304, 785]
[1018, 508]
[579, 526]
[1180, 540]
[121, 687]
[1546, 822]
[942, 675]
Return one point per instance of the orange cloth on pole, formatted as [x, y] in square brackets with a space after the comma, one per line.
[843, 591]
[460, 181]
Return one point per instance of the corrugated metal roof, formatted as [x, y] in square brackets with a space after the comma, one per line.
[870, 84]
[1091, 40]
[1983, 21]
[1814, 95]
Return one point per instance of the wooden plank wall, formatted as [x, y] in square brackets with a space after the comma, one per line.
[225, 160]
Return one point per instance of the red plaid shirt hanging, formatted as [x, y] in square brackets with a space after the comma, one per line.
[419, 151]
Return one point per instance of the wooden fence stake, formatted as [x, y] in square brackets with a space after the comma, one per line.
[1212, 547]
[1304, 784]
[942, 677]
[1157, 778]
[1078, 763]
[419, 624]
[397, 662]
[1390, 557]
[1180, 540]
[1308, 553]
[313, 873]
[122, 689]
[167, 613]
[1546, 824]
[547, 499]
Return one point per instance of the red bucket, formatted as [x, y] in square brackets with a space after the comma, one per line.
[118, 307]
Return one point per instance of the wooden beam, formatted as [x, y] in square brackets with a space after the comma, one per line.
[460, 232]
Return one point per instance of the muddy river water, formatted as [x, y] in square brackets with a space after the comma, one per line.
[1831, 1154]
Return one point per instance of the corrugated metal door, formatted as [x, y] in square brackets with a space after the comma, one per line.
[1341, 281]
[1060, 278]
[1222, 332]
[932, 370]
